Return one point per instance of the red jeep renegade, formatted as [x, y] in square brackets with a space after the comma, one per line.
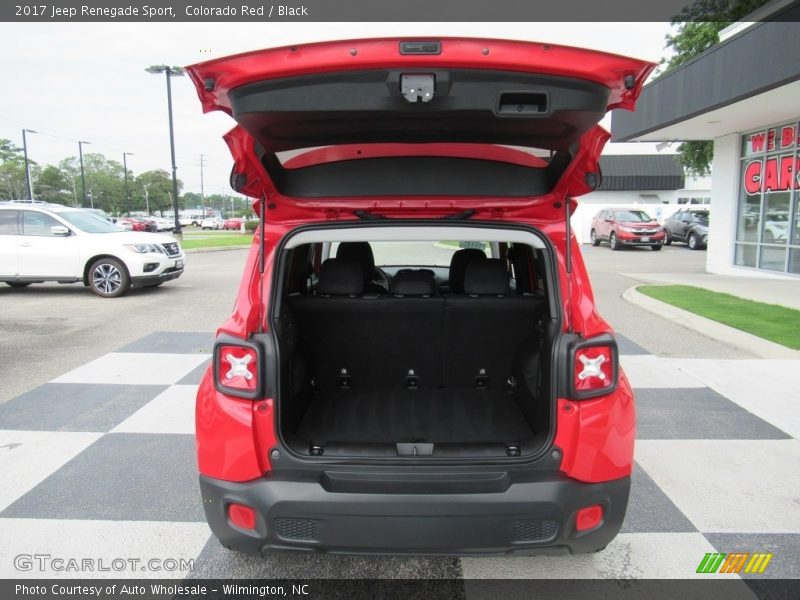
[414, 363]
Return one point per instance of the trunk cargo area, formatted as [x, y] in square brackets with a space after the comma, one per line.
[455, 364]
[444, 416]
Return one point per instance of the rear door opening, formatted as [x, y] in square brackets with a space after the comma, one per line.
[414, 342]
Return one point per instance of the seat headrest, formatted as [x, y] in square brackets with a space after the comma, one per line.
[360, 252]
[458, 267]
[414, 282]
[340, 277]
[486, 278]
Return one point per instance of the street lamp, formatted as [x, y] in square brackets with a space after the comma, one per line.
[125, 156]
[28, 183]
[83, 176]
[171, 72]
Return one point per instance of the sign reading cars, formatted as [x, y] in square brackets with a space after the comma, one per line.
[775, 173]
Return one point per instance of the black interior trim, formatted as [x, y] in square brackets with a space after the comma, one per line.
[368, 106]
[414, 175]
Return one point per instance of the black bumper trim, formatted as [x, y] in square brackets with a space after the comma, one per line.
[450, 524]
[150, 279]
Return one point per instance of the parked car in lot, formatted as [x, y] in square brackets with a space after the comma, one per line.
[235, 223]
[129, 224]
[689, 226]
[163, 224]
[408, 407]
[50, 242]
[626, 227]
[212, 223]
[149, 223]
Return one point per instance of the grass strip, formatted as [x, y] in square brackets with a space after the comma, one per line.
[772, 322]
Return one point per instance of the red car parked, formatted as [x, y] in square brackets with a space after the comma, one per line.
[378, 390]
[626, 227]
[130, 224]
[234, 223]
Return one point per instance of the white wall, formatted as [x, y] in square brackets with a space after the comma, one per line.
[629, 197]
[724, 193]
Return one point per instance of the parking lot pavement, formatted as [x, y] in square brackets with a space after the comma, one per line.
[48, 329]
[614, 272]
[99, 463]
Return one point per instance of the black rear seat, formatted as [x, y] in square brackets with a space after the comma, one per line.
[458, 267]
[414, 282]
[485, 327]
[381, 341]
[413, 337]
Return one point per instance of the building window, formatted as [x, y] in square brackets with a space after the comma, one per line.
[768, 222]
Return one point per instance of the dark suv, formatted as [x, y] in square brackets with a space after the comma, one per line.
[689, 226]
[415, 363]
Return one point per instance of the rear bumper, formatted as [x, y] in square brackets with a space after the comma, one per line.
[532, 517]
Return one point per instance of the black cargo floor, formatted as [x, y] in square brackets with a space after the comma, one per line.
[423, 415]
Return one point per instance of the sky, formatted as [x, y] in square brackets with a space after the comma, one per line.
[86, 81]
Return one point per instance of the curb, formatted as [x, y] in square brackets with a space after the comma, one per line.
[709, 328]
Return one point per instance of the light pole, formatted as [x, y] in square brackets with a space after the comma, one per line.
[83, 176]
[171, 72]
[28, 183]
[125, 156]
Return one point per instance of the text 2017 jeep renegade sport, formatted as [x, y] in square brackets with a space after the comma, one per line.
[414, 363]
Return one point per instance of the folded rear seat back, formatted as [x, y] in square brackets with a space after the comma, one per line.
[485, 327]
[370, 341]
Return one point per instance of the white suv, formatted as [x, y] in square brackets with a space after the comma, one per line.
[49, 242]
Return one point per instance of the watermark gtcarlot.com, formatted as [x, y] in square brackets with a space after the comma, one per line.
[61, 564]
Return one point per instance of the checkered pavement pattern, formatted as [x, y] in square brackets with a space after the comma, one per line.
[100, 463]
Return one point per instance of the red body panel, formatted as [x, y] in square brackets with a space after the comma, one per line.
[597, 436]
[234, 436]
[456, 53]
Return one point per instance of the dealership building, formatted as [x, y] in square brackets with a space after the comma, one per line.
[744, 94]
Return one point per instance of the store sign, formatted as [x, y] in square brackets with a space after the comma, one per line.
[777, 138]
[773, 174]
[768, 170]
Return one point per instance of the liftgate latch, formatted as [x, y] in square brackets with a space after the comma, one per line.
[417, 88]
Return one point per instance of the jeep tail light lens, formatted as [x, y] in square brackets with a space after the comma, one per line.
[242, 516]
[237, 369]
[594, 367]
[589, 517]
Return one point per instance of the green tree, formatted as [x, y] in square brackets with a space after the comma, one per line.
[8, 150]
[696, 30]
[191, 200]
[12, 171]
[153, 191]
[104, 182]
[53, 185]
